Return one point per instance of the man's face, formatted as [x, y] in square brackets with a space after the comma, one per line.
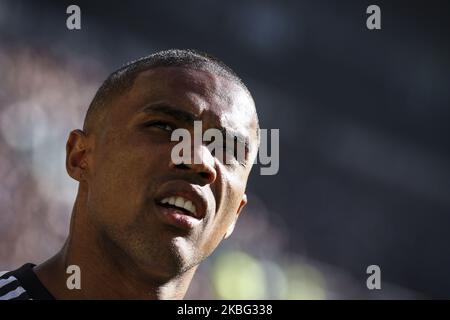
[131, 171]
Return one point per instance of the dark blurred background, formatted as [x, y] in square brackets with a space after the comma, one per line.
[363, 116]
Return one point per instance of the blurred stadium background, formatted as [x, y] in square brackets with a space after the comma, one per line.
[364, 135]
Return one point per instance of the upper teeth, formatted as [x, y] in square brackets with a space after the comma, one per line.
[181, 203]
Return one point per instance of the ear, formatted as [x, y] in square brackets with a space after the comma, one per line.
[233, 224]
[76, 155]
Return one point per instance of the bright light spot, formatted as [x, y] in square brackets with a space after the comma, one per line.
[304, 283]
[236, 275]
[48, 165]
[24, 125]
[276, 280]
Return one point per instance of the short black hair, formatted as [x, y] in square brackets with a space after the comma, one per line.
[123, 79]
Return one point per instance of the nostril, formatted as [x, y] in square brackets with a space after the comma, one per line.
[204, 172]
[205, 175]
[182, 166]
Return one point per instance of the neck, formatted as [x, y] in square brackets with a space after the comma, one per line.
[106, 272]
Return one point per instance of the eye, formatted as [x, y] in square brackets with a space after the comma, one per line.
[232, 150]
[160, 125]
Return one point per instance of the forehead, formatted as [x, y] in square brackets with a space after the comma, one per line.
[214, 99]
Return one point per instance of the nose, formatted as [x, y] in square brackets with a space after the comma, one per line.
[202, 164]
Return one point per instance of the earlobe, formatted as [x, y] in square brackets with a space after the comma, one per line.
[231, 227]
[76, 162]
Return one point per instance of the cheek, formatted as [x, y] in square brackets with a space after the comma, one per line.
[111, 190]
[129, 162]
[233, 193]
[129, 155]
[224, 217]
[213, 235]
[120, 180]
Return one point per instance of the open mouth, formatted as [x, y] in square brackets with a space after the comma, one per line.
[181, 204]
[179, 212]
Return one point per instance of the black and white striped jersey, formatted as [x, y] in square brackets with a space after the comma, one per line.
[22, 284]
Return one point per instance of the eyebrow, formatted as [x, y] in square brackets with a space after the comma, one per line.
[171, 111]
[189, 118]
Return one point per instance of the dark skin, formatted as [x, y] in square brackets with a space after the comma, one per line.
[122, 161]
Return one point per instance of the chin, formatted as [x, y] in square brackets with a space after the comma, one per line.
[164, 260]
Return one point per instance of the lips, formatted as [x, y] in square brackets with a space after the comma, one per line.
[177, 218]
[181, 203]
[182, 206]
